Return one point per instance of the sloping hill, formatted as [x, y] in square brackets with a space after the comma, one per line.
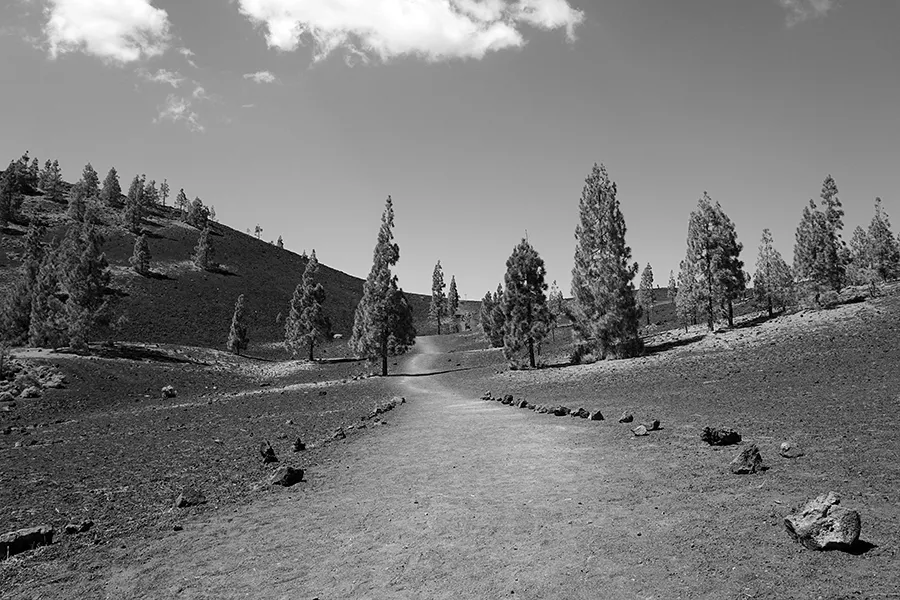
[181, 304]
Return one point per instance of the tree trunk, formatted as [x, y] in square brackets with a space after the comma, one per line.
[710, 316]
[531, 352]
[648, 316]
[771, 313]
[439, 325]
[311, 343]
[384, 353]
[730, 313]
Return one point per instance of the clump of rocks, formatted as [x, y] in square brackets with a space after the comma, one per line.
[822, 524]
[168, 391]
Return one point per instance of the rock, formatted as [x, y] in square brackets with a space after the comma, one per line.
[299, 446]
[790, 450]
[323, 392]
[487, 396]
[31, 392]
[560, 411]
[824, 525]
[267, 452]
[747, 462]
[23, 540]
[55, 382]
[168, 391]
[653, 425]
[626, 417]
[6, 397]
[286, 476]
[189, 496]
[542, 409]
[522, 404]
[720, 437]
[507, 399]
[398, 400]
[596, 416]
[338, 434]
[581, 413]
[73, 528]
[640, 431]
[529, 406]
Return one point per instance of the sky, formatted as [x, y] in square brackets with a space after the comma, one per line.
[481, 118]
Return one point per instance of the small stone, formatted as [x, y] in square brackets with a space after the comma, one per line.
[487, 396]
[189, 496]
[299, 446]
[31, 392]
[747, 462]
[790, 450]
[626, 417]
[267, 452]
[640, 431]
[720, 437]
[522, 404]
[560, 411]
[822, 524]
[177, 528]
[169, 392]
[507, 399]
[653, 425]
[323, 392]
[581, 413]
[286, 476]
[542, 409]
[529, 406]
[596, 416]
[73, 528]
[338, 434]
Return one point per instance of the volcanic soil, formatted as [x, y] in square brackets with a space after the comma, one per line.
[457, 497]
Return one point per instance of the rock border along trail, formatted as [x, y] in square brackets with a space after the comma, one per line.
[454, 498]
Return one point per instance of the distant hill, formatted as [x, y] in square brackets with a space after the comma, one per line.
[180, 304]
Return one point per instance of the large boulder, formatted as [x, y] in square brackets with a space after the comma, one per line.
[640, 431]
[522, 403]
[747, 462]
[286, 476]
[23, 540]
[507, 399]
[560, 411]
[824, 525]
[596, 416]
[189, 496]
[720, 437]
[790, 450]
[653, 425]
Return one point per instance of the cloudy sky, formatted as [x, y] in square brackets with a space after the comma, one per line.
[480, 117]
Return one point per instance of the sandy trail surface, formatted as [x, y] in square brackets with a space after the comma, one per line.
[454, 498]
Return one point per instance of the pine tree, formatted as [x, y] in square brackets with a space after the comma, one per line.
[673, 287]
[819, 252]
[84, 278]
[204, 253]
[438, 307]
[47, 326]
[713, 260]
[151, 193]
[15, 310]
[10, 194]
[383, 323]
[181, 203]
[164, 191]
[498, 318]
[605, 312]
[773, 281]
[140, 259]
[34, 173]
[645, 292]
[44, 174]
[528, 317]
[486, 318]
[112, 191]
[257, 230]
[77, 202]
[687, 298]
[884, 250]
[280, 242]
[134, 205]
[557, 305]
[198, 214]
[238, 338]
[307, 322]
[859, 269]
[91, 181]
[453, 303]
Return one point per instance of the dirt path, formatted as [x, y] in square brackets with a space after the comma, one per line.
[455, 498]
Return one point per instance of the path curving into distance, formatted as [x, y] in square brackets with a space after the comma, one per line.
[454, 498]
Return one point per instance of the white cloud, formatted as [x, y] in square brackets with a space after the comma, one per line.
[432, 29]
[802, 10]
[261, 77]
[178, 109]
[172, 78]
[248, 105]
[120, 31]
[199, 93]
[188, 55]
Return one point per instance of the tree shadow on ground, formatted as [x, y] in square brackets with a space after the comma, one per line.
[430, 373]
[222, 270]
[665, 346]
[159, 276]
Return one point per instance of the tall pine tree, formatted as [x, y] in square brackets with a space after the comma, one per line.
[645, 292]
[238, 337]
[605, 312]
[383, 323]
[204, 253]
[438, 307]
[453, 303]
[112, 191]
[773, 281]
[884, 251]
[91, 181]
[307, 322]
[819, 253]
[140, 258]
[134, 205]
[528, 317]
